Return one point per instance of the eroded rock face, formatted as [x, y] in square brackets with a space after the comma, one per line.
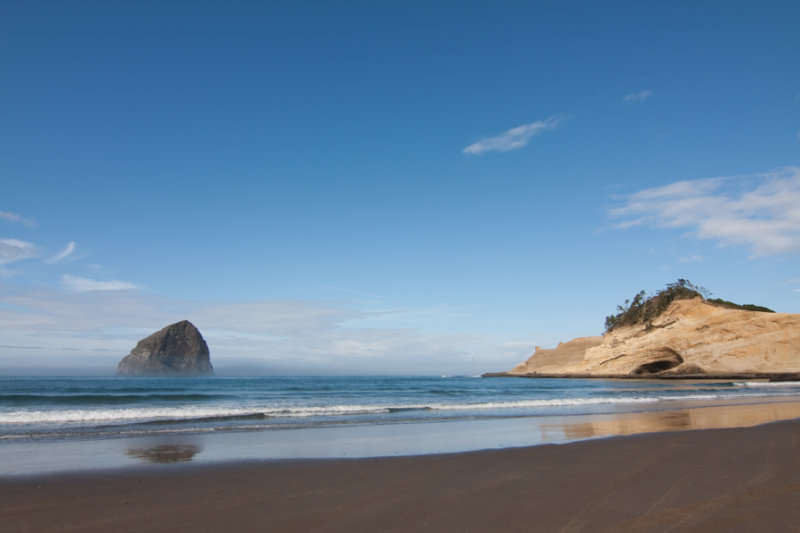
[177, 350]
[566, 354]
[690, 337]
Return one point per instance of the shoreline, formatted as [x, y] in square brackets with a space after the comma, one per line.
[742, 479]
[24, 458]
[665, 375]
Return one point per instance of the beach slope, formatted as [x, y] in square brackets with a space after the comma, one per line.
[745, 479]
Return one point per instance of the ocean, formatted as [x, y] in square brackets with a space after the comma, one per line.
[46, 409]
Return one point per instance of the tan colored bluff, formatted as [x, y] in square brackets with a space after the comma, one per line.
[691, 337]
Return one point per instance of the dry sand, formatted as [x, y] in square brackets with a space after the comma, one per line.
[745, 479]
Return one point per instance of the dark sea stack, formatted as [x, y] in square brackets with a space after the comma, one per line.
[176, 350]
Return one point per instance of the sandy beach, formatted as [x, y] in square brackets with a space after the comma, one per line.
[742, 479]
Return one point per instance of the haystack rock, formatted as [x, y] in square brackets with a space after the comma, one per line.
[176, 350]
[692, 338]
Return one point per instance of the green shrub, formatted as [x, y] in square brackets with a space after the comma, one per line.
[744, 307]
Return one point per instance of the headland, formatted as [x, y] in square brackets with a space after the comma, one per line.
[685, 337]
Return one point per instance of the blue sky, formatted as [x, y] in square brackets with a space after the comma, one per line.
[385, 187]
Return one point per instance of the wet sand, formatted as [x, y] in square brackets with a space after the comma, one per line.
[744, 479]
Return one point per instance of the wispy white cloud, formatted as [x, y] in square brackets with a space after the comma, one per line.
[759, 211]
[636, 98]
[51, 328]
[13, 217]
[79, 284]
[15, 250]
[691, 259]
[515, 138]
[275, 317]
[66, 252]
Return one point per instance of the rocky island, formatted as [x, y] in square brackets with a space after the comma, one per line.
[678, 333]
[177, 350]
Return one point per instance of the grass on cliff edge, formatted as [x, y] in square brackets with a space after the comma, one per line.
[643, 309]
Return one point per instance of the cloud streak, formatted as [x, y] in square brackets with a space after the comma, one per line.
[760, 212]
[66, 252]
[515, 138]
[15, 218]
[79, 284]
[12, 250]
[637, 98]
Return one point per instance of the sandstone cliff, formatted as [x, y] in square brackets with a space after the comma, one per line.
[692, 337]
[177, 350]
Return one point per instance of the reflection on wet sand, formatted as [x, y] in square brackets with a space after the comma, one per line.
[166, 453]
[728, 416]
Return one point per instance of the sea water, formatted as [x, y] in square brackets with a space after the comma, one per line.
[37, 409]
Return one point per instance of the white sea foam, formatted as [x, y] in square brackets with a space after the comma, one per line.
[116, 415]
[767, 384]
[188, 413]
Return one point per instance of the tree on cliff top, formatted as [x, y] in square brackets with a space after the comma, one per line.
[643, 309]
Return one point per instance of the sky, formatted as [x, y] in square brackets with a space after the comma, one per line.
[353, 187]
